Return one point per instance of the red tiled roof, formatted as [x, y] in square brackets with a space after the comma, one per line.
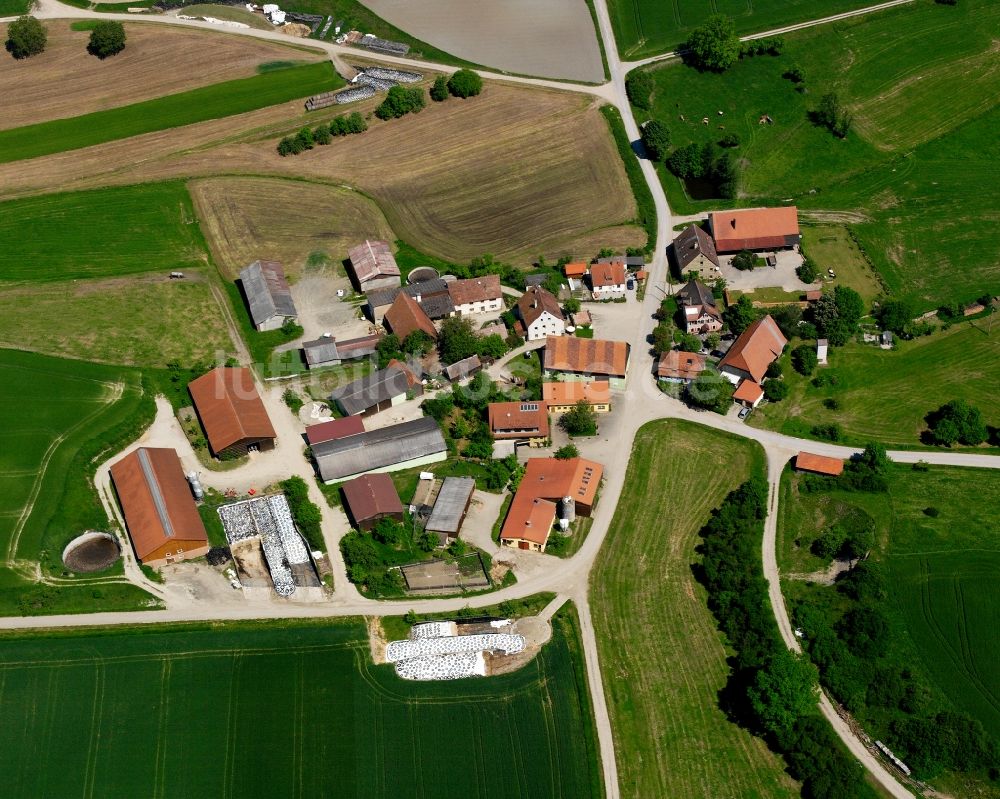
[405, 315]
[587, 355]
[821, 464]
[756, 348]
[754, 228]
[371, 495]
[229, 407]
[578, 269]
[548, 480]
[476, 289]
[569, 392]
[512, 419]
[334, 429]
[534, 302]
[748, 391]
[682, 365]
[612, 274]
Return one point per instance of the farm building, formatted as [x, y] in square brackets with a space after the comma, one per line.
[818, 464]
[631, 261]
[822, 351]
[476, 295]
[755, 349]
[755, 229]
[694, 249]
[231, 411]
[607, 281]
[327, 351]
[377, 391]
[562, 396]
[432, 295]
[527, 422]
[577, 270]
[463, 368]
[267, 294]
[493, 329]
[400, 446]
[373, 266]
[539, 314]
[748, 393]
[160, 514]
[406, 316]
[697, 303]
[450, 507]
[334, 429]
[675, 366]
[549, 485]
[369, 498]
[586, 359]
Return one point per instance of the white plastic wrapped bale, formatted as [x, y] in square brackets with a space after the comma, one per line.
[382, 84]
[488, 642]
[497, 623]
[433, 629]
[291, 541]
[443, 667]
[393, 74]
[237, 521]
[354, 94]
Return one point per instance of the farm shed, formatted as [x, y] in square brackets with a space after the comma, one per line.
[334, 429]
[433, 296]
[755, 349]
[818, 464]
[327, 351]
[755, 229]
[463, 368]
[267, 294]
[406, 316]
[399, 446]
[373, 266]
[449, 511]
[377, 391]
[160, 513]
[231, 411]
[369, 498]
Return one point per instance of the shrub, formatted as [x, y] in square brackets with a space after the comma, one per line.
[710, 391]
[804, 359]
[656, 139]
[305, 512]
[744, 261]
[830, 115]
[807, 271]
[107, 38]
[773, 369]
[775, 390]
[465, 83]
[439, 91]
[580, 420]
[730, 140]
[305, 138]
[292, 400]
[932, 512]
[26, 36]
[399, 102]
[795, 74]
[827, 432]
[564, 453]
[831, 403]
[957, 422]
[639, 88]
[321, 135]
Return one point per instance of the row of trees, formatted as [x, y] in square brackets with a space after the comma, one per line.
[305, 512]
[307, 138]
[464, 83]
[26, 37]
[400, 101]
[770, 690]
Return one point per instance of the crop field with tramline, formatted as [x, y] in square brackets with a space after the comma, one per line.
[663, 658]
[648, 27]
[235, 710]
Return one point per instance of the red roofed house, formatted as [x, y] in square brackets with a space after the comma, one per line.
[476, 295]
[676, 366]
[539, 314]
[586, 359]
[747, 360]
[607, 281]
[577, 270]
[162, 519]
[748, 394]
[549, 486]
[231, 411]
[820, 464]
[563, 395]
[520, 421]
[369, 498]
[755, 229]
[334, 429]
[406, 316]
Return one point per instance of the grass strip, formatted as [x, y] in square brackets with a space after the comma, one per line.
[644, 207]
[175, 110]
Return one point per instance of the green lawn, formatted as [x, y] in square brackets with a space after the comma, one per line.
[61, 418]
[916, 178]
[942, 599]
[284, 709]
[184, 108]
[100, 233]
[832, 247]
[649, 27]
[885, 395]
[663, 658]
[9, 8]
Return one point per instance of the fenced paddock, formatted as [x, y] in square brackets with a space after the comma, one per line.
[440, 576]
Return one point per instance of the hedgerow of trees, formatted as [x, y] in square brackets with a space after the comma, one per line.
[957, 422]
[307, 138]
[26, 36]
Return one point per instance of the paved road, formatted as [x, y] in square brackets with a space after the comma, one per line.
[641, 403]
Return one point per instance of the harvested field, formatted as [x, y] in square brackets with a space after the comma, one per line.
[553, 39]
[291, 221]
[110, 321]
[65, 80]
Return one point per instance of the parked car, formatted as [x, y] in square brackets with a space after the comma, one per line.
[630, 285]
[744, 413]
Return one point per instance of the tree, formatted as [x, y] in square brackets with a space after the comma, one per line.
[895, 315]
[456, 340]
[686, 162]
[572, 305]
[639, 88]
[465, 83]
[388, 348]
[957, 422]
[399, 102]
[830, 115]
[715, 46]
[712, 341]
[565, 452]
[710, 391]
[795, 74]
[744, 261]
[663, 337]
[783, 692]
[804, 359]
[787, 318]
[740, 315]
[305, 138]
[807, 271]
[418, 342]
[775, 390]
[690, 343]
[26, 36]
[439, 91]
[836, 315]
[321, 135]
[356, 123]
[730, 140]
[107, 38]
[656, 139]
[580, 420]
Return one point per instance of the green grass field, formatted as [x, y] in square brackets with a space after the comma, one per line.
[172, 111]
[61, 418]
[916, 178]
[885, 395]
[100, 233]
[648, 27]
[663, 659]
[9, 8]
[284, 709]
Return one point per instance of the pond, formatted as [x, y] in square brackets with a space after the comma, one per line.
[700, 189]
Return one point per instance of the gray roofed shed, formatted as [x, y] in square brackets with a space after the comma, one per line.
[433, 296]
[327, 351]
[381, 450]
[267, 294]
[451, 506]
[372, 390]
[463, 368]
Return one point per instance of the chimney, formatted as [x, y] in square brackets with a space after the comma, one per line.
[417, 298]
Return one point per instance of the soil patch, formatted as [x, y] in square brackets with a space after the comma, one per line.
[91, 552]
